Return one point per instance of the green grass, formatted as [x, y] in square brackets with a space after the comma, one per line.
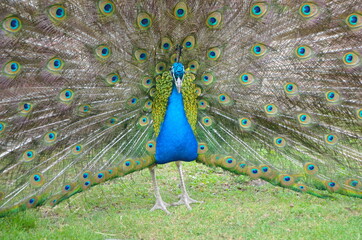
[234, 208]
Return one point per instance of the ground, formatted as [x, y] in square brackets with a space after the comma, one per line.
[234, 207]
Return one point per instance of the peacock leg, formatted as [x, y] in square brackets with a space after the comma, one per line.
[184, 197]
[160, 204]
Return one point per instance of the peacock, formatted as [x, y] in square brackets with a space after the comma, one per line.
[93, 90]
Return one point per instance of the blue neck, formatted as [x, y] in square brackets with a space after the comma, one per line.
[176, 140]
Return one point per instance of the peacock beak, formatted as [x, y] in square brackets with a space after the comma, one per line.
[178, 83]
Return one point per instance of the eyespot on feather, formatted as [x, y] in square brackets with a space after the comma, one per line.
[207, 78]
[55, 64]
[151, 146]
[332, 96]
[304, 119]
[32, 202]
[25, 108]
[279, 142]
[351, 59]
[213, 53]
[303, 52]
[143, 121]
[253, 172]
[224, 99]
[267, 172]
[106, 7]
[127, 166]
[258, 49]
[147, 107]
[66, 95]
[332, 186]
[355, 183]
[241, 168]
[85, 176]
[166, 44]
[245, 123]
[180, 11]
[359, 113]
[68, 187]
[189, 42]
[354, 20]
[112, 79]
[207, 121]
[57, 12]
[259, 9]
[37, 180]
[228, 162]
[214, 20]
[202, 148]
[160, 67]
[103, 52]
[309, 10]
[77, 149]
[3, 127]
[147, 82]
[132, 101]
[12, 68]
[290, 89]
[144, 21]
[12, 24]
[29, 155]
[246, 79]
[203, 104]
[193, 66]
[311, 168]
[100, 177]
[111, 121]
[270, 109]
[140, 55]
[50, 137]
[286, 180]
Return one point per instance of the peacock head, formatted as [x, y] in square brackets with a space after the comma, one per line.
[178, 71]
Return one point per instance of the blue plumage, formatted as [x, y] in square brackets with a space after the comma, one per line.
[176, 140]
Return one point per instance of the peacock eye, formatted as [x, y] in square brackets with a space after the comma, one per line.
[106, 7]
[224, 99]
[189, 43]
[354, 20]
[103, 52]
[160, 67]
[57, 13]
[259, 9]
[12, 68]
[214, 53]
[258, 49]
[308, 10]
[291, 89]
[351, 59]
[140, 55]
[12, 24]
[180, 11]
[166, 44]
[303, 52]
[55, 65]
[66, 95]
[214, 20]
[271, 109]
[144, 21]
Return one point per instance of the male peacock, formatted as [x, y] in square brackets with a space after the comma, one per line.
[94, 90]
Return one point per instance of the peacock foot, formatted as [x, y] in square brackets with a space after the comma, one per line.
[185, 199]
[160, 204]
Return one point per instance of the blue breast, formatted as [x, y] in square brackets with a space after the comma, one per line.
[176, 140]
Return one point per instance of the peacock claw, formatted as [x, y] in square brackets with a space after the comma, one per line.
[185, 199]
[160, 204]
